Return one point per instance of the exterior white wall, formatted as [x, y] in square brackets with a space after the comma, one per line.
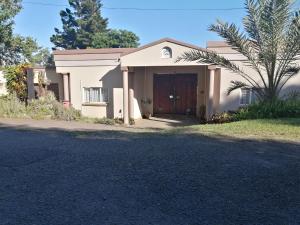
[109, 77]
[3, 90]
[232, 101]
[152, 56]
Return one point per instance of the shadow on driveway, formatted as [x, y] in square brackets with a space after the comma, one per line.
[120, 177]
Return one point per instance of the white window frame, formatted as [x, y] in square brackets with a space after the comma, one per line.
[100, 90]
[250, 96]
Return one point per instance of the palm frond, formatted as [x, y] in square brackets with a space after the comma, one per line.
[236, 85]
[211, 57]
[290, 48]
[239, 41]
[289, 73]
[292, 70]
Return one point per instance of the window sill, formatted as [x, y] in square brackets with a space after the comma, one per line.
[95, 104]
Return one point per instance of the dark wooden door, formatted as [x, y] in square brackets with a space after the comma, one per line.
[162, 91]
[175, 94]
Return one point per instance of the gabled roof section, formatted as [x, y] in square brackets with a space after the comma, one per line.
[162, 41]
[93, 51]
[217, 44]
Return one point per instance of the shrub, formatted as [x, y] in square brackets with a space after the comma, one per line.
[16, 80]
[41, 108]
[48, 107]
[289, 107]
[62, 113]
[12, 107]
[224, 117]
[44, 108]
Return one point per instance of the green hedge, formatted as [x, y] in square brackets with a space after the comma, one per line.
[288, 107]
[270, 110]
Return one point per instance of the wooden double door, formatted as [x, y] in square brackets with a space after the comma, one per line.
[175, 94]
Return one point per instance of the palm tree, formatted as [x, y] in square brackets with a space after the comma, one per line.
[270, 42]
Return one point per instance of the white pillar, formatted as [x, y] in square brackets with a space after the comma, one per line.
[210, 101]
[125, 96]
[131, 97]
[66, 90]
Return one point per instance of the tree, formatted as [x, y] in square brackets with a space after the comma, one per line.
[8, 10]
[116, 39]
[270, 43]
[16, 80]
[80, 24]
[27, 51]
[84, 27]
[15, 49]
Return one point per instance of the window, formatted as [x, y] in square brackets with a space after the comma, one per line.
[166, 53]
[95, 95]
[246, 95]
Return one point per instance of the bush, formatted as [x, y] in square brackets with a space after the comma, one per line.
[104, 121]
[224, 117]
[62, 113]
[48, 107]
[289, 107]
[12, 107]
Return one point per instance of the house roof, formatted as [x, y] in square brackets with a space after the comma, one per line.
[161, 41]
[123, 51]
[217, 44]
[93, 51]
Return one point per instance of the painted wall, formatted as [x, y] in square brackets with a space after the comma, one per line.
[3, 90]
[109, 77]
[152, 56]
[232, 101]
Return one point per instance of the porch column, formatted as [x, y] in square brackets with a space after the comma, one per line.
[131, 96]
[66, 100]
[125, 96]
[210, 101]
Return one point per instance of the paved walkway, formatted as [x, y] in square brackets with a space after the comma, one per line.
[61, 125]
[152, 124]
[166, 122]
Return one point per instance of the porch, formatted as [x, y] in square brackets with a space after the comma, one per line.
[174, 90]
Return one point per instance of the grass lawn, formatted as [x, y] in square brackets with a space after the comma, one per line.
[274, 129]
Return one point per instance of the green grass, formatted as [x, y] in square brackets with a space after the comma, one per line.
[269, 129]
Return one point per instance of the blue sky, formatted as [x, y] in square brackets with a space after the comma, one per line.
[190, 26]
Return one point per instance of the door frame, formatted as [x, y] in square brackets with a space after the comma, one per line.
[176, 74]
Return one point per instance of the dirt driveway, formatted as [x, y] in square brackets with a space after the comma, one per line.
[118, 177]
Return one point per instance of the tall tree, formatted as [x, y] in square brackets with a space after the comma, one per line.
[27, 51]
[270, 43]
[15, 49]
[8, 10]
[80, 24]
[115, 39]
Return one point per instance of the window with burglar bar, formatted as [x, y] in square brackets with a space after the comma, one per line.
[95, 95]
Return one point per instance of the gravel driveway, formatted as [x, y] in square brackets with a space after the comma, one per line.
[115, 178]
